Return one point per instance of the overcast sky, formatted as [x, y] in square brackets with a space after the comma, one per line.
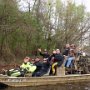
[85, 2]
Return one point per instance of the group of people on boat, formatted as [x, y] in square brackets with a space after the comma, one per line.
[48, 64]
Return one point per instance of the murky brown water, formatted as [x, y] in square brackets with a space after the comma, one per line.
[78, 86]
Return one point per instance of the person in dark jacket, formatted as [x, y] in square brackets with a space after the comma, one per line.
[44, 54]
[46, 66]
[39, 65]
[42, 67]
[66, 50]
[51, 61]
[57, 61]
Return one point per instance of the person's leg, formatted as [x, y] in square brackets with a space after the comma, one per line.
[55, 70]
[33, 74]
[50, 71]
[66, 63]
[53, 67]
[69, 61]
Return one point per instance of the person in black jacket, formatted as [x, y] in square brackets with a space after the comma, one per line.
[46, 66]
[51, 61]
[39, 65]
[66, 50]
[42, 67]
[57, 62]
[44, 54]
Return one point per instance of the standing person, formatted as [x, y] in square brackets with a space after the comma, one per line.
[73, 47]
[58, 61]
[66, 50]
[44, 54]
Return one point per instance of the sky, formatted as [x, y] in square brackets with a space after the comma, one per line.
[85, 2]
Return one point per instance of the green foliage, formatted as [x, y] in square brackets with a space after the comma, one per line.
[22, 33]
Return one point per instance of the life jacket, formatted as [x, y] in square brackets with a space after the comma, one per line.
[29, 67]
[14, 72]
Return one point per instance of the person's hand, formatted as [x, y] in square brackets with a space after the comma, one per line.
[39, 50]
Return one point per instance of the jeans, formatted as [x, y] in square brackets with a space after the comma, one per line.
[68, 62]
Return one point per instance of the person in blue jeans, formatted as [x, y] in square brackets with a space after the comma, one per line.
[70, 59]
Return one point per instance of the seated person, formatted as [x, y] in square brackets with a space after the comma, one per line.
[38, 71]
[26, 67]
[70, 59]
[51, 61]
[42, 67]
[46, 66]
[57, 61]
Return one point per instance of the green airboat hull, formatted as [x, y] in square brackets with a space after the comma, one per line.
[46, 80]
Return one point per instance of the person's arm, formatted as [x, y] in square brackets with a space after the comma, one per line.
[50, 57]
[40, 52]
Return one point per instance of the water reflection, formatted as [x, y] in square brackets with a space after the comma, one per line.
[78, 86]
